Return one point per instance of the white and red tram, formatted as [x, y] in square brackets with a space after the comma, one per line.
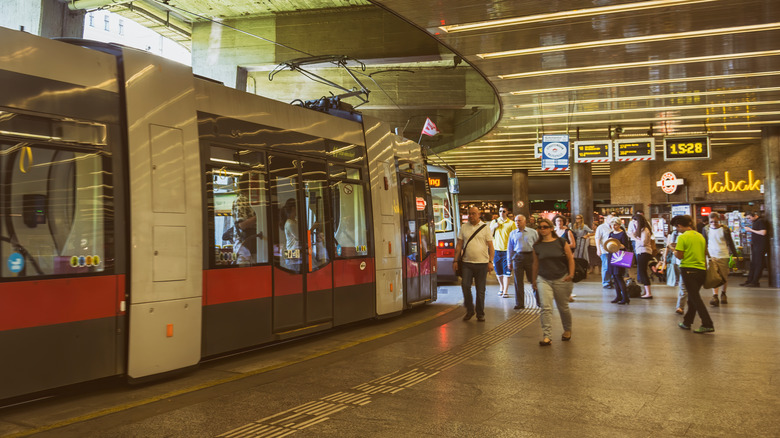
[150, 218]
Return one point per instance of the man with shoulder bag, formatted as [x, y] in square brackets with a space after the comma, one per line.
[719, 246]
[474, 258]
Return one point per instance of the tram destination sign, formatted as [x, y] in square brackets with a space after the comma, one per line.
[687, 148]
[593, 151]
[635, 149]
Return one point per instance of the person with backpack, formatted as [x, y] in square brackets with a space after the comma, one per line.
[719, 246]
[552, 275]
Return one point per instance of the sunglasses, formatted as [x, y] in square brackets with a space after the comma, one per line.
[544, 227]
[502, 211]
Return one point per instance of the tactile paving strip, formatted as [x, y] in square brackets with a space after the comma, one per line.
[315, 412]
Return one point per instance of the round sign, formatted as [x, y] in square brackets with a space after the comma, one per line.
[520, 204]
[555, 150]
[362, 265]
[669, 183]
[348, 189]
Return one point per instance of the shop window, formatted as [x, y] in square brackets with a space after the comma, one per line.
[54, 207]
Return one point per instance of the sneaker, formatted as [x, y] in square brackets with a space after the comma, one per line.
[679, 310]
[683, 326]
[468, 316]
[723, 299]
[518, 307]
[703, 329]
[481, 318]
[714, 302]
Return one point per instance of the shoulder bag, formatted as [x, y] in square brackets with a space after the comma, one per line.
[459, 271]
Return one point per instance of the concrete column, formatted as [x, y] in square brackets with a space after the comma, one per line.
[770, 145]
[520, 203]
[582, 191]
[59, 21]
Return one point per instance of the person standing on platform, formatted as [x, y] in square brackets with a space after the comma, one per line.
[602, 234]
[476, 260]
[719, 246]
[553, 271]
[500, 229]
[593, 253]
[673, 276]
[691, 250]
[618, 272]
[757, 250]
[581, 234]
[643, 245]
[520, 258]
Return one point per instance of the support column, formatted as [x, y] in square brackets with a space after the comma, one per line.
[59, 21]
[770, 145]
[520, 203]
[582, 192]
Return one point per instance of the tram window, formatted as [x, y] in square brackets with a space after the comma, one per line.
[240, 235]
[314, 191]
[349, 153]
[442, 218]
[349, 212]
[56, 204]
[343, 172]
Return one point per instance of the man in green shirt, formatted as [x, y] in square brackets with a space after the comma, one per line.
[691, 250]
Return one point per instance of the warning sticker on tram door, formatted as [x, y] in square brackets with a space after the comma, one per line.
[635, 149]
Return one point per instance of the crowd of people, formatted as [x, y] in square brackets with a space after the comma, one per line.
[542, 252]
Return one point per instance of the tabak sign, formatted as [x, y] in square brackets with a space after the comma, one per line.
[726, 183]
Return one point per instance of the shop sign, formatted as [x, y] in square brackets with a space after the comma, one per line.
[669, 183]
[729, 185]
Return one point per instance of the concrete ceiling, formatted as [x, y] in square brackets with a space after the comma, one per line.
[589, 68]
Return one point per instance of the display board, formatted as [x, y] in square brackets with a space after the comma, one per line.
[593, 151]
[635, 149]
[687, 148]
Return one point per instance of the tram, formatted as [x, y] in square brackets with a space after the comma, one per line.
[444, 192]
[150, 218]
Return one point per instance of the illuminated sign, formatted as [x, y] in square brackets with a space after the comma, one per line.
[729, 185]
[639, 149]
[555, 152]
[437, 180]
[669, 183]
[687, 148]
[421, 204]
[599, 151]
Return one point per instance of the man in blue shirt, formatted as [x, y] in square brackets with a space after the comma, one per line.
[520, 258]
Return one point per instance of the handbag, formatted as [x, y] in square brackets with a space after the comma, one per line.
[624, 259]
[459, 271]
[714, 277]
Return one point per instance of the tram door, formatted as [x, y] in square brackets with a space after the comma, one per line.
[419, 252]
[303, 280]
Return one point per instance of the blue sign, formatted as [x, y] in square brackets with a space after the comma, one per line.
[555, 152]
[15, 262]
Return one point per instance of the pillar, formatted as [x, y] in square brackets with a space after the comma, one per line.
[770, 145]
[582, 192]
[57, 20]
[520, 203]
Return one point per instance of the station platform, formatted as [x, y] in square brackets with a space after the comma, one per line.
[628, 371]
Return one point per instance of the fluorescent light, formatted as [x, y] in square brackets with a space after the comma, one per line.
[649, 109]
[630, 7]
[632, 40]
[743, 55]
[670, 118]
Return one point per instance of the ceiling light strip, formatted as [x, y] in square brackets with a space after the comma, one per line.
[640, 64]
[683, 95]
[630, 7]
[647, 109]
[650, 82]
[672, 118]
[632, 40]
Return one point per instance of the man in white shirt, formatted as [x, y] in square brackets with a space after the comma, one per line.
[602, 234]
[476, 260]
[719, 246]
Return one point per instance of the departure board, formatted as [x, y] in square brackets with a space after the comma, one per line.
[593, 151]
[635, 149]
[687, 148]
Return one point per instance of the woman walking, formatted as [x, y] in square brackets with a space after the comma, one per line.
[618, 272]
[551, 275]
[643, 245]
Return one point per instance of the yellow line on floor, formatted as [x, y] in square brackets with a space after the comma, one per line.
[222, 381]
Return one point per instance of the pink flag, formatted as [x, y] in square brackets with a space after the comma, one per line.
[429, 128]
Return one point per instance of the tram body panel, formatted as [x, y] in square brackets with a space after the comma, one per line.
[387, 220]
[165, 215]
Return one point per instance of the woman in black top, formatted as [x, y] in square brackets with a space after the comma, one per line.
[552, 275]
[618, 272]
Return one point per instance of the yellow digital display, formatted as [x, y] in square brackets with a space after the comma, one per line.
[687, 148]
[437, 180]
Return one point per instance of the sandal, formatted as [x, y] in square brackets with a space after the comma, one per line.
[566, 338]
[545, 343]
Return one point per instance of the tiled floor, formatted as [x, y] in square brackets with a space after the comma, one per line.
[628, 371]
